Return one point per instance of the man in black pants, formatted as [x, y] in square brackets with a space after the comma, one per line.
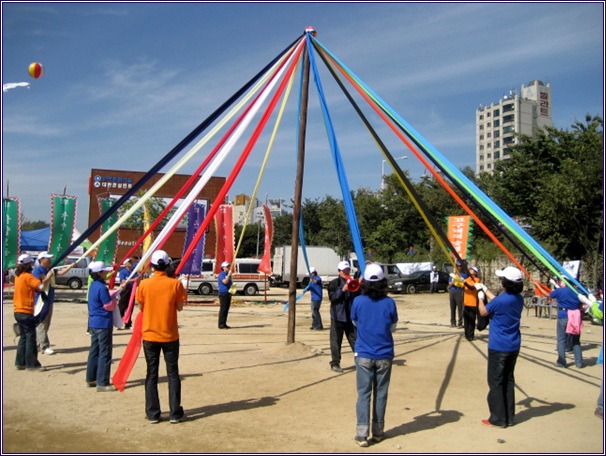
[341, 299]
[224, 284]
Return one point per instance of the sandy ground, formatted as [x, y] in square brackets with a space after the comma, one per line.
[246, 391]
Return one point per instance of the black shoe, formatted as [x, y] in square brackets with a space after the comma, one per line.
[336, 368]
[224, 327]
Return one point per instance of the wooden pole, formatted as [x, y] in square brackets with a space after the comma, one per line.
[296, 215]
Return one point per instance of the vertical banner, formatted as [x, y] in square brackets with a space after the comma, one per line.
[106, 251]
[193, 264]
[265, 265]
[64, 220]
[11, 212]
[224, 221]
[458, 233]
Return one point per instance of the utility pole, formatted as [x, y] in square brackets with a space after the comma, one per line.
[296, 216]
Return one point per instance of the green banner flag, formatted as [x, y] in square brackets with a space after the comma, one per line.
[10, 232]
[108, 247]
[64, 220]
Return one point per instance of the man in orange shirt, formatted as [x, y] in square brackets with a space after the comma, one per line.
[159, 298]
[470, 303]
[26, 286]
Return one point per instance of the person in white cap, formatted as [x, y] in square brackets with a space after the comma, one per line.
[26, 286]
[224, 282]
[101, 325]
[44, 262]
[434, 277]
[123, 277]
[504, 341]
[375, 316]
[160, 298]
[341, 297]
[315, 289]
[470, 303]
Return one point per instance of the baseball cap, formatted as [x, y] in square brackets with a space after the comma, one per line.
[98, 266]
[225, 264]
[343, 265]
[475, 269]
[25, 259]
[126, 261]
[510, 273]
[312, 269]
[159, 255]
[433, 267]
[373, 273]
[44, 254]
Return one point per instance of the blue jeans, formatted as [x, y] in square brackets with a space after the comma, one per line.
[316, 318]
[171, 357]
[372, 378]
[27, 352]
[99, 362]
[574, 339]
[501, 384]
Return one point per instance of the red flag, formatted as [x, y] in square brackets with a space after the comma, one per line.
[224, 251]
[265, 265]
[130, 354]
[458, 234]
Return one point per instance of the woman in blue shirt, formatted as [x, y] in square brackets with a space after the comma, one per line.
[504, 342]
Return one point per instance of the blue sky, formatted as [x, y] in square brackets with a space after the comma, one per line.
[125, 82]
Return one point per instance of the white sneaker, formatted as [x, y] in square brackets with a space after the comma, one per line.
[49, 351]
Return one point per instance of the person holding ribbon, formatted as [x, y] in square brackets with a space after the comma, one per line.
[455, 294]
[26, 286]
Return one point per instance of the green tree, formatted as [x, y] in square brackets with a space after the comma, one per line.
[27, 225]
[554, 183]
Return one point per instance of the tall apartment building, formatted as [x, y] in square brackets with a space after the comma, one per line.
[522, 111]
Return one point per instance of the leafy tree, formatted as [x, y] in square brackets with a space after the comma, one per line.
[154, 206]
[554, 182]
[27, 225]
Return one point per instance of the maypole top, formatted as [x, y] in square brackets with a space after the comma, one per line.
[311, 30]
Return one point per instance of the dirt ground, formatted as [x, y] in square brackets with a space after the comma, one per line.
[245, 390]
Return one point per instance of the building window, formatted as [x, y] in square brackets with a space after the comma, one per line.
[488, 155]
[481, 167]
[507, 107]
[508, 129]
[481, 137]
[508, 140]
[481, 147]
[488, 146]
[509, 118]
[496, 123]
[481, 117]
[487, 114]
[497, 144]
[495, 113]
[497, 154]
[497, 133]
[488, 166]
[482, 127]
[488, 135]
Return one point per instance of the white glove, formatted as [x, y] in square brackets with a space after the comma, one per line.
[481, 295]
[480, 287]
[553, 283]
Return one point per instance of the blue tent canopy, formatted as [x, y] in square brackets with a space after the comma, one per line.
[36, 240]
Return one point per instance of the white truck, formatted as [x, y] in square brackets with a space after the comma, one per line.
[248, 280]
[324, 259]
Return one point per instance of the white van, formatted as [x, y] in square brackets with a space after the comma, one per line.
[246, 276]
[77, 276]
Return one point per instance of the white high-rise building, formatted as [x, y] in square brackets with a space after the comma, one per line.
[522, 111]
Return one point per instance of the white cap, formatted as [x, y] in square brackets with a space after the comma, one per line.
[373, 273]
[343, 265]
[312, 270]
[225, 264]
[475, 269]
[159, 255]
[44, 254]
[98, 266]
[25, 259]
[126, 261]
[510, 273]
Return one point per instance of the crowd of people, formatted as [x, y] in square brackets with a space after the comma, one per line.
[360, 310]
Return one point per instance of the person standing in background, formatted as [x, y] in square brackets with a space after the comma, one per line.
[124, 301]
[315, 289]
[224, 282]
[455, 294]
[470, 303]
[40, 273]
[434, 277]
